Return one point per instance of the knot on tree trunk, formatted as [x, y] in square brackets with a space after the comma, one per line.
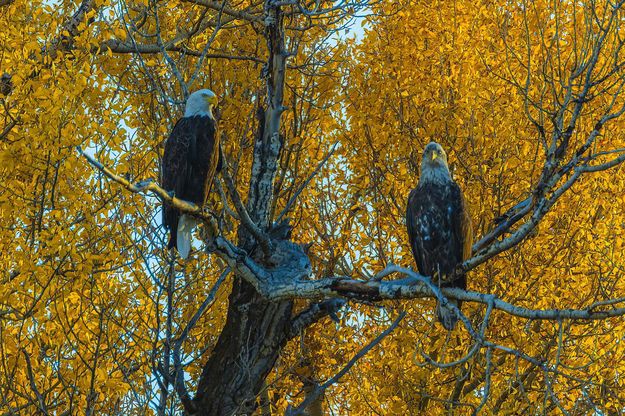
[287, 258]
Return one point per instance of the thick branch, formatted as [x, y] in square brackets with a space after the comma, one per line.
[268, 144]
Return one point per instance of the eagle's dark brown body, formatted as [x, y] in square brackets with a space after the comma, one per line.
[190, 162]
[435, 222]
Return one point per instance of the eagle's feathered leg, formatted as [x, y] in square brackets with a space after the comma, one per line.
[446, 314]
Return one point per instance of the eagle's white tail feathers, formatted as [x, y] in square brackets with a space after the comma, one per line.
[186, 224]
[446, 315]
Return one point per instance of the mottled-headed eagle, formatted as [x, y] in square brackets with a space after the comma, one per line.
[190, 162]
[439, 227]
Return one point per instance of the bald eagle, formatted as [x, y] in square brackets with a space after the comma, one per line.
[190, 162]
[439, 227]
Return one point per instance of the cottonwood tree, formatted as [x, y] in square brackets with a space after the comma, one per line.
[300, 295]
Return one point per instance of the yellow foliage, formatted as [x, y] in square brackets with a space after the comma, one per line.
[83, 287]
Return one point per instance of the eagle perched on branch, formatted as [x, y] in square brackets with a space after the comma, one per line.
[439, 227]
[190, 162]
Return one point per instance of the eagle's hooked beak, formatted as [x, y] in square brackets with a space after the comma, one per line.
[212, 100]
[434, 155]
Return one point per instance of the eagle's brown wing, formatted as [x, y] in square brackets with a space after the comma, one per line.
[174, 171]
[415, 237]
[439, 229]
[463, 227]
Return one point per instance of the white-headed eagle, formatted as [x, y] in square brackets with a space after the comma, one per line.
[439, 227]
[190, 162]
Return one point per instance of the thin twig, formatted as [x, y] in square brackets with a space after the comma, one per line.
[179, 384]
[486, 392]
[40, 400]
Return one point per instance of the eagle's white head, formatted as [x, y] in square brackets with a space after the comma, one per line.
[201, 103]
[434, 164]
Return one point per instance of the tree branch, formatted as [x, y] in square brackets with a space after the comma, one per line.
[303, 186]
[239, 14]
[179, 384]
[314, 313]
[148, 185]
[40, 400]
[257, 233]
[64, 42]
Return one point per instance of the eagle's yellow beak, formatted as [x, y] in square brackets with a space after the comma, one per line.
[212, 100]
[434, 155]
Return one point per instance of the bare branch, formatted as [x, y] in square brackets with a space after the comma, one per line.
[604, 166]
[173, 65]
[486, 392]
[504, 222]
[257, 233]
[5, 132]
[303, 186]
[268, 143]
[180, 204]
[33, 384]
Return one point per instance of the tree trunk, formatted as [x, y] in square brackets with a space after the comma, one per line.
[246, 351]
[256, 330]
